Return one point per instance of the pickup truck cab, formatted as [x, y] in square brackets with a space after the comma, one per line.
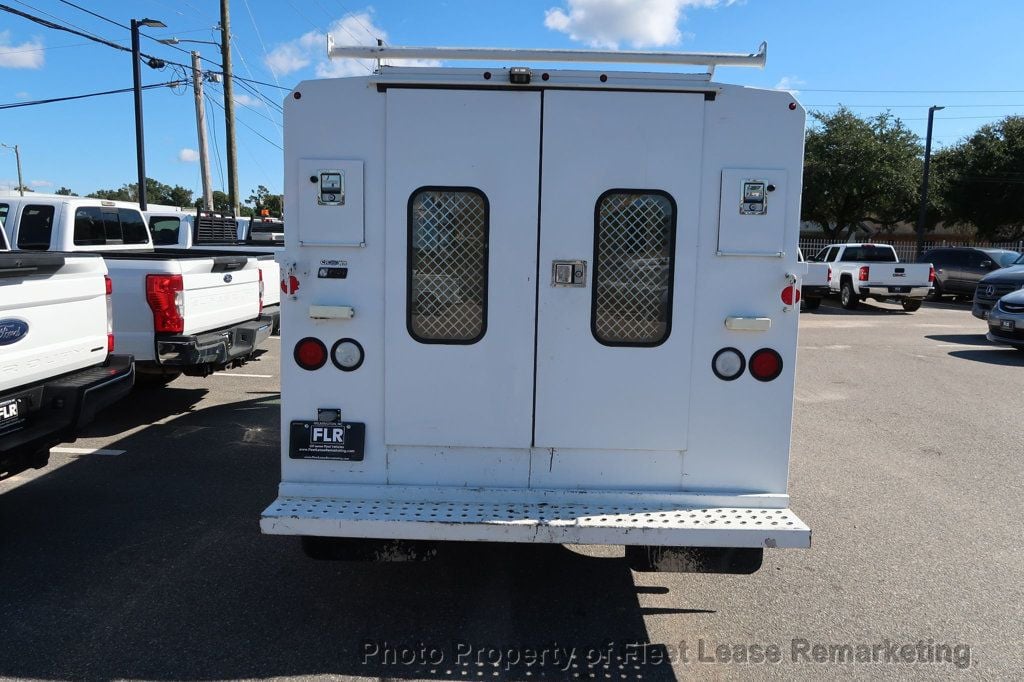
[176, 228]
[176, 311]
[57, 366]
[860, 271]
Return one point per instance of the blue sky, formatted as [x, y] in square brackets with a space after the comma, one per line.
[826, 50]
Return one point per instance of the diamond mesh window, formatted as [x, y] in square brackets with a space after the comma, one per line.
[447, 291]
[633, 266]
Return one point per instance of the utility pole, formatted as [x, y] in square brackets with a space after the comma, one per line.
[229, 105]
[922, 215]
[17, 160]
[204, 159]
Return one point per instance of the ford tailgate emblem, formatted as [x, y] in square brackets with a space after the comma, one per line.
[12, 331]
[227, 279]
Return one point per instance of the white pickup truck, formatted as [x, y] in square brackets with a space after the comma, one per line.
[176, 311]
[814, 284]
[57, 367]
[176, 228]
[859, 271]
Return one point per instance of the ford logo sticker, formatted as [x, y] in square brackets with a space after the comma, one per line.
[12, 331]
[227, 279]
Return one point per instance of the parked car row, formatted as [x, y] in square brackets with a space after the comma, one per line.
[88, 308]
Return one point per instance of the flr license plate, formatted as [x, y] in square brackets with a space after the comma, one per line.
[1007, 325]
[327, 440]
[899, 290]
[12, 414]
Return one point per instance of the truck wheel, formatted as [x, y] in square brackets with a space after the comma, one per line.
[811, 303]
[911, 304]
[847, 296]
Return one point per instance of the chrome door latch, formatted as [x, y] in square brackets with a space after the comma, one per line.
[569, 273]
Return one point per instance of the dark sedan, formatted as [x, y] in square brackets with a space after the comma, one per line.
[995, 285]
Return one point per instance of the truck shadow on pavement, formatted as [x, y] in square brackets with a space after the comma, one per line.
[151, 565]
[997, 355]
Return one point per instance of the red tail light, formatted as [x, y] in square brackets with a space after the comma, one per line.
[165, 295]
[790, 295]
[829, 274]
[862, 275]
[931, 273]
[261, 291]
[765, 364]
[310, 353]
[110, 313]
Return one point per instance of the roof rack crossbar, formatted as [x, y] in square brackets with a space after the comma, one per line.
[708, 59]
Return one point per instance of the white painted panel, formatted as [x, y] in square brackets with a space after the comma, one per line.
[745, 234]
[337, 223]
[590, 395]
[478, 394]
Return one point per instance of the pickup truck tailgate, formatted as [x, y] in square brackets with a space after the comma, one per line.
[898, 274]
[226, 294]
[53, 316]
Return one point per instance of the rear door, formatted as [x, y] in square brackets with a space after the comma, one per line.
[619, 207]
[461, 244]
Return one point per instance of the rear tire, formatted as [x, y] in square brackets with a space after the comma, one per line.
[811, 303]
[911, 304]
[847, 296]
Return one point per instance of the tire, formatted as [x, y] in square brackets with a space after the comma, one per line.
[143, 380]
[911, 304]
[810, 304]
[936, 293]
[847, 296]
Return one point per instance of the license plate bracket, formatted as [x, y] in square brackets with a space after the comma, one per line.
[1007, 325]
[340, 441]
[12, 414]
[899, 290]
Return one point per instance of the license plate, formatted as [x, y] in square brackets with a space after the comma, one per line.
[327, 440]
[899, 290]
[1007, 325]
[12, 414]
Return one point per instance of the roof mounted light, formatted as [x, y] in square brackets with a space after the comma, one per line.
[519, 75]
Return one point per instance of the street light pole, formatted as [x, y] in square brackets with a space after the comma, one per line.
[140, 150]
[922, 215]
[17, 160]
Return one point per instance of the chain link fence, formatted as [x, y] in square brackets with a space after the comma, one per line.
[907, 250]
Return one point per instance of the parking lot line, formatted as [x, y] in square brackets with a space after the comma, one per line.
[251, 376]
[88, 451]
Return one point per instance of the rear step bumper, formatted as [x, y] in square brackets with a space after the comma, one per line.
[58, 407]
[213, 348]
[544, 516]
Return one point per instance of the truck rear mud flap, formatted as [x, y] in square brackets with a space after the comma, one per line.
[549, 516]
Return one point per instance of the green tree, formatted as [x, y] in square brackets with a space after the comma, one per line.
[156, 193]
[983, 179]
[65, 191]
[859, 171]
[261, 198]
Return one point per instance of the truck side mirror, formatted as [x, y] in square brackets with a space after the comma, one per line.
[988, 265]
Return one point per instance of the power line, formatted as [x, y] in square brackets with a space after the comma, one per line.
[15, 105]
[211, 124]
[251, 129]
[922, 92]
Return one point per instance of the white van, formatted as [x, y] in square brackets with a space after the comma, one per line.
[535, 305]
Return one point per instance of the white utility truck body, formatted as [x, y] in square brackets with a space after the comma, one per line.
[176, 228]
[545, 311]
[859, 271]
[57, 367]
[175, 311]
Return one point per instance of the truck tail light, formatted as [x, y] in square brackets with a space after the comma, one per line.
[110, 313]
[931, 273]
[829, 280]
[728, 364]
[166, 297]
[310, 353]
[765, 364]
[261, 291]
[863, 273]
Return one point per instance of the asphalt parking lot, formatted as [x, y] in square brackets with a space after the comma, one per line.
[137, 552]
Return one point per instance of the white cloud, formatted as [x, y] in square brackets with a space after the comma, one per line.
[187, 155]
[790, 83]
[40, 183]
[22, 95]
[641, 23]
[248, 100]
[311, 49]
[26, 55]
